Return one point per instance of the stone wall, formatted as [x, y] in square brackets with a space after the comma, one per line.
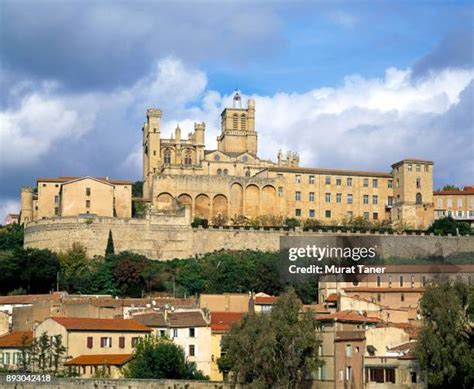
[73, 383]
[171, 237]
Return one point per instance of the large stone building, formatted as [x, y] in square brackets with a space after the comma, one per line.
[232, 180]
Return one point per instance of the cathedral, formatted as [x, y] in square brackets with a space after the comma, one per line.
[231, 181]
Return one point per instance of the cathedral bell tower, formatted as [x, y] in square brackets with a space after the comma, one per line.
[238, 133]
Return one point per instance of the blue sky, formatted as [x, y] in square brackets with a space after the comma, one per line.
[351, 78]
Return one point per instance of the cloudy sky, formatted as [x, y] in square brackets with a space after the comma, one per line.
[357, 84]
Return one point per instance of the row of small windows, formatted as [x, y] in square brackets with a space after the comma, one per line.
[458, 214]
[459, 202]
[328, 214]
[221, 172]
[328, 196]
[418, 167]
[349, 181]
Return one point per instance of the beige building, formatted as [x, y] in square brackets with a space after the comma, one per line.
[232, 181]
[11, 346]
[458, 204]
[98, 337]
[74, 196]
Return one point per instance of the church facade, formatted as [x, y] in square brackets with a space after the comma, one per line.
[231, 181]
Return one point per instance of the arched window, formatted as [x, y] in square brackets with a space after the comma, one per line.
[188, 158]
[167, 157]
[419, 198]
[235, 121]
[226, 172]
[219, 172]
[243, 122]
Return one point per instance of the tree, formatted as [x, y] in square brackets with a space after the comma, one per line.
[110, 249]
[450, 187]
[41, 350]
[137, 189]
[128, 269]
[445, 347]
[57, 350]
[25, 358]
[278, 349]
[37, 269]
[73, 265]
[448, 225]
[11, 237]
[159, 358]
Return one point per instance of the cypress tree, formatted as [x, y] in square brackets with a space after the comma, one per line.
[110, 250]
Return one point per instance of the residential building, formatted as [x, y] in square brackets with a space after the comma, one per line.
[12, 346]
[456, 203]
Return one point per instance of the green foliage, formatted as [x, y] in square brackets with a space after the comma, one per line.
[33, 270]
[312, 224]
[159, 358]
[445, 347]
[11, 237]
[292, 222]
[138, 208]
[219, 220]
[128, 269]
[273, 350]
[73, 264]
[137, 189]
[110, 249]
[197, 221]
[45, 354]
[448, 225]
[450, 187]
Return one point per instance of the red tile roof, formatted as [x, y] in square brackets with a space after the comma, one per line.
[403, 347]
[28, 298]
[151, 319]
[347, 316]
[16, 339]
[467, 190]
[332, 298]
[222, 321]
[87, 324]
[100, 359]
[187, 319]
[265, 300]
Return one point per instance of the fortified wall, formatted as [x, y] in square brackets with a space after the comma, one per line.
[170, 236]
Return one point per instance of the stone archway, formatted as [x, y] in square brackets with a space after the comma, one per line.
[236, 200]
[269, 200]
[252, 201]
[202, 206]
[164, 201]
[186, 200]
[219, 205]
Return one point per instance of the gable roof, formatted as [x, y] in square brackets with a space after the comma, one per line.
[151, 319]
[347, 316]
[222, 321]
[64, 179]
[88, 324]
[186, 319]
[16, 339]
[100, 359]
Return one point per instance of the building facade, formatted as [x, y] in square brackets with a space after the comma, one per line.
[232, 181]
[74, 196]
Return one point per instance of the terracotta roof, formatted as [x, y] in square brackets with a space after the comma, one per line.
[16, 339]
[186, 319]
[403, 347]
[88, 324]
[347, 316]
[265, 300]
[350, 335]
[317, 308]
[28, 298]
[222, 321]
[467, 190]
[72, 178]
[332, 298]
[151, 319]
[362, 173]
[100, 359]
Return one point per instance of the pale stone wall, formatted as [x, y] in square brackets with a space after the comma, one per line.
[170, 236]
[87, 196]
[75, 383]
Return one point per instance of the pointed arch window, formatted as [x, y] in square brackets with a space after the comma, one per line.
[243, 122]
[235, 121]
[167, 157]
[188, 158]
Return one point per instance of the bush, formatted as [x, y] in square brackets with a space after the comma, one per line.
[292, 222]
[219, 220]
[312, 224]
[448, 225]
[200, 222]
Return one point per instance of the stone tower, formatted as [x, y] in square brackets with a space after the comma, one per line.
[413, 192]
[238, 133]
[26, 213]
[151, 148]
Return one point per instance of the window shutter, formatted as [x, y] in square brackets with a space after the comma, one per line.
[122, 342]
[90, 342]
